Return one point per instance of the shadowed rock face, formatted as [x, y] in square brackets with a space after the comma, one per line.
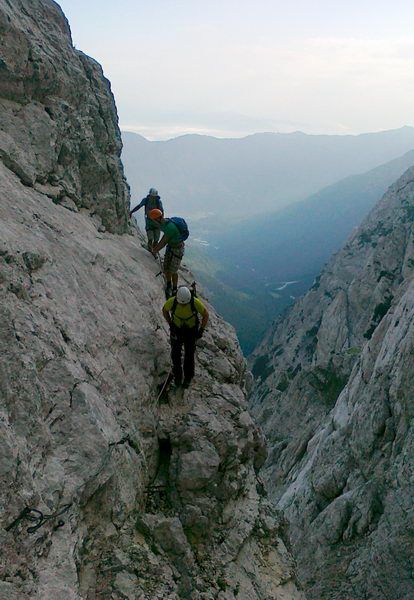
[58, 122]
[333, 393]
[142, 500]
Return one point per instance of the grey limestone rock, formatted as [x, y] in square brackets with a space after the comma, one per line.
[163, 500]
[104, 492]
[333, 393]
[58, 122]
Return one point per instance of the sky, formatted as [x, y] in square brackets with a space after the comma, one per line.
[233, 67]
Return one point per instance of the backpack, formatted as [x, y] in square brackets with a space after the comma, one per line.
[194, 312]
[157, 201]
[182, 227]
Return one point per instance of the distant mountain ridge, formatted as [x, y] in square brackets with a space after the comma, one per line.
[200, 174]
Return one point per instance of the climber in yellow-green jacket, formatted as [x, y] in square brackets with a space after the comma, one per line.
[181, 313]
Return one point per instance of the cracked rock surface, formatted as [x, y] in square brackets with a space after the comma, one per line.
[58, 123]
[333, 393]
[164, 498]
[106, 493]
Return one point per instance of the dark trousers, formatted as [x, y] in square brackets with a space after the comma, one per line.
[182, 336]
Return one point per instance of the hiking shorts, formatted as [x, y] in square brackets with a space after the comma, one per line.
[153, 235]
[172, 258]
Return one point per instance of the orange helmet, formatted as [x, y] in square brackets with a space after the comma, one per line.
[155, 214]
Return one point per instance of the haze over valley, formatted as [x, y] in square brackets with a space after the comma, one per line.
[256, 243]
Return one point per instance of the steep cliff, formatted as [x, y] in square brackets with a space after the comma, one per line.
[58, 124]
[334, 395]
[104, 492]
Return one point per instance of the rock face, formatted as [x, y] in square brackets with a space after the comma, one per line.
[334, 394]
[104, 492]
[58, 124]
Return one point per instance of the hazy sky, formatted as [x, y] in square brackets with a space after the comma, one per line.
[233, 67]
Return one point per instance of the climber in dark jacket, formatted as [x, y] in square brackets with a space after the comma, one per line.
[181, 313]
[152, 200]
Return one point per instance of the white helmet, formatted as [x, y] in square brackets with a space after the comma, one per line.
[153, 192]
[183, 295]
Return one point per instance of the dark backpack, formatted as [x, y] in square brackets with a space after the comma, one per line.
[182, 227]
[157, 200]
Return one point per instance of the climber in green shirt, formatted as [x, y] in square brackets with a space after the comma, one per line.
[181, 313]
[174, 251]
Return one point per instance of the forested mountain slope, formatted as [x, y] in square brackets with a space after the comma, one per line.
[248, 264]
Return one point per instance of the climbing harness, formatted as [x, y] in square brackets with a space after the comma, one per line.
[194, 313]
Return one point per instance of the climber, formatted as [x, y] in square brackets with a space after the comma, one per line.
[181, 313]
[175, 231]
[152, 200]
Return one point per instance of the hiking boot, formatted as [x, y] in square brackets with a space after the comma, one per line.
[174, 291]
[168, 291]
